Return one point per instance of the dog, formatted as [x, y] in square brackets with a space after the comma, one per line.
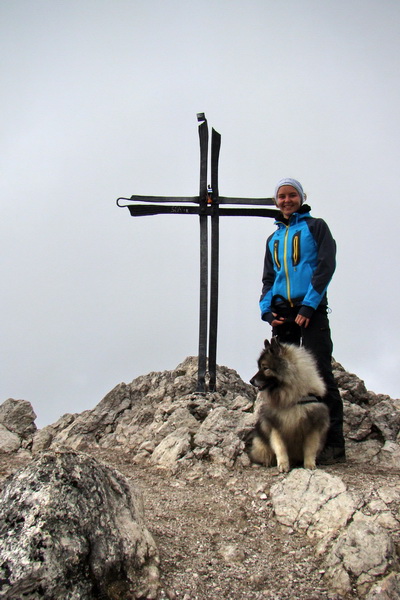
[292, 421]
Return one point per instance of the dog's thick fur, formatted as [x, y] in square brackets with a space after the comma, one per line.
[292, 422]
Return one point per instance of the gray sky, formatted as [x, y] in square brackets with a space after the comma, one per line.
[99, 100]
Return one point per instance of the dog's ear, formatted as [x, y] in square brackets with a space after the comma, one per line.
[275, 345]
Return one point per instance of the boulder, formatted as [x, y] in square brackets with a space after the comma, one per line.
[17, 425]
[363, 552]
[356, 535]
[173, 447]
[357, 421]
[387, 589]
[139, 416]
[18, 417]
[72, 527]
[386, 417]
[353, 388]
[313, 502]
[9, 442]
[158, 419]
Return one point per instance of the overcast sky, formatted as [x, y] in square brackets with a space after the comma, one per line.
[99, 100]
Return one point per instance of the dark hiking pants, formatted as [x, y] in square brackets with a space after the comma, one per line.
[317, 339]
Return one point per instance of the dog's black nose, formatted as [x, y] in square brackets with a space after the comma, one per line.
[253, 381]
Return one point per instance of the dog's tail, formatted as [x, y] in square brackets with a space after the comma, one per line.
[261, 453]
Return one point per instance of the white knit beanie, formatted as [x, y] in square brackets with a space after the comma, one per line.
[294, 183]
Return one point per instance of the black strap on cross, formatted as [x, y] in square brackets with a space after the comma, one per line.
[206, 204]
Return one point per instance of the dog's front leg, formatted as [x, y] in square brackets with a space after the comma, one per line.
[279, 448]
[311, 446]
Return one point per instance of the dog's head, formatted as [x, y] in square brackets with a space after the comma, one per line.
[270, 366]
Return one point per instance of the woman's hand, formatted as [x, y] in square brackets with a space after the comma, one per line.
[277, 321]
[302, 321]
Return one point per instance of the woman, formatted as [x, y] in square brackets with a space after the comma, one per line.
[299, 264]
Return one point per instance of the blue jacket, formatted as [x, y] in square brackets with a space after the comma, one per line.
[299, 263]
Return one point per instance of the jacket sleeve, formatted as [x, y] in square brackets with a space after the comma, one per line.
[326, 264]
[268, 281]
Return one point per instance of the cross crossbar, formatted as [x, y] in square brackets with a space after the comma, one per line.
[206, 204]
[142, 210]
[195, 200]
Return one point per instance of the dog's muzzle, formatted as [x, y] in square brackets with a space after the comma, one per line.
[259, 383]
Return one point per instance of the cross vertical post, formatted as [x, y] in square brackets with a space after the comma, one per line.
[214, 277]
[203, 200]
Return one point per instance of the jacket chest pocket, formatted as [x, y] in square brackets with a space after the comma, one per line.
[296, 254]
[276, 254]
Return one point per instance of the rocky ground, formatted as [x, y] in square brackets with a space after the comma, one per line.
[212, 515]
[216, 533]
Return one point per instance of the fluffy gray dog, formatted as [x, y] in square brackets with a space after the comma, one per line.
[292, 421]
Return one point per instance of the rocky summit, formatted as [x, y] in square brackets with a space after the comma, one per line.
[151, 494]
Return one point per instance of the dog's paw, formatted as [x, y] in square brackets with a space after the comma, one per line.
[283, 466]
[310, 464]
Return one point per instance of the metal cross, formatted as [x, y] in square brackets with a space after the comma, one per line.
[206, 204]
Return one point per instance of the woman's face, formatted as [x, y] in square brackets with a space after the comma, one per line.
[288, 200]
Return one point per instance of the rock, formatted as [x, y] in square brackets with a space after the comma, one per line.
[319, 504]
[220, 424]
[159, 423]
[363, 551]
[42, 439]
[86, 429]
[9, 442]
[313, 502]
[389, 456]
[357, 421]
[380, 513]
[143, 417]
[387, 589]
[71, 527]
[386, 417]
[232, 554]
[363, 452]
[353, 387]
[18, 417]
[173, 447]
[139, 416]
[17, 425]
[389, 494]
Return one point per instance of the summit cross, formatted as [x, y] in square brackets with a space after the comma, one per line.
[206, 204]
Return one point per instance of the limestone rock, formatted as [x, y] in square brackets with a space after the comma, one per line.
[173, 447]
[158, 421]
[386, 417]
[9, 442]
[366, 451]
[356, 536]
[71, 527]
[158, 418]
[17, 425]
[314, 502]
[353, 386]
[363, 551]
[138, 417]
[357, 421]
[389, 455]
[387, 589]
[232, 554]
[42, 439]
[18, 417]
